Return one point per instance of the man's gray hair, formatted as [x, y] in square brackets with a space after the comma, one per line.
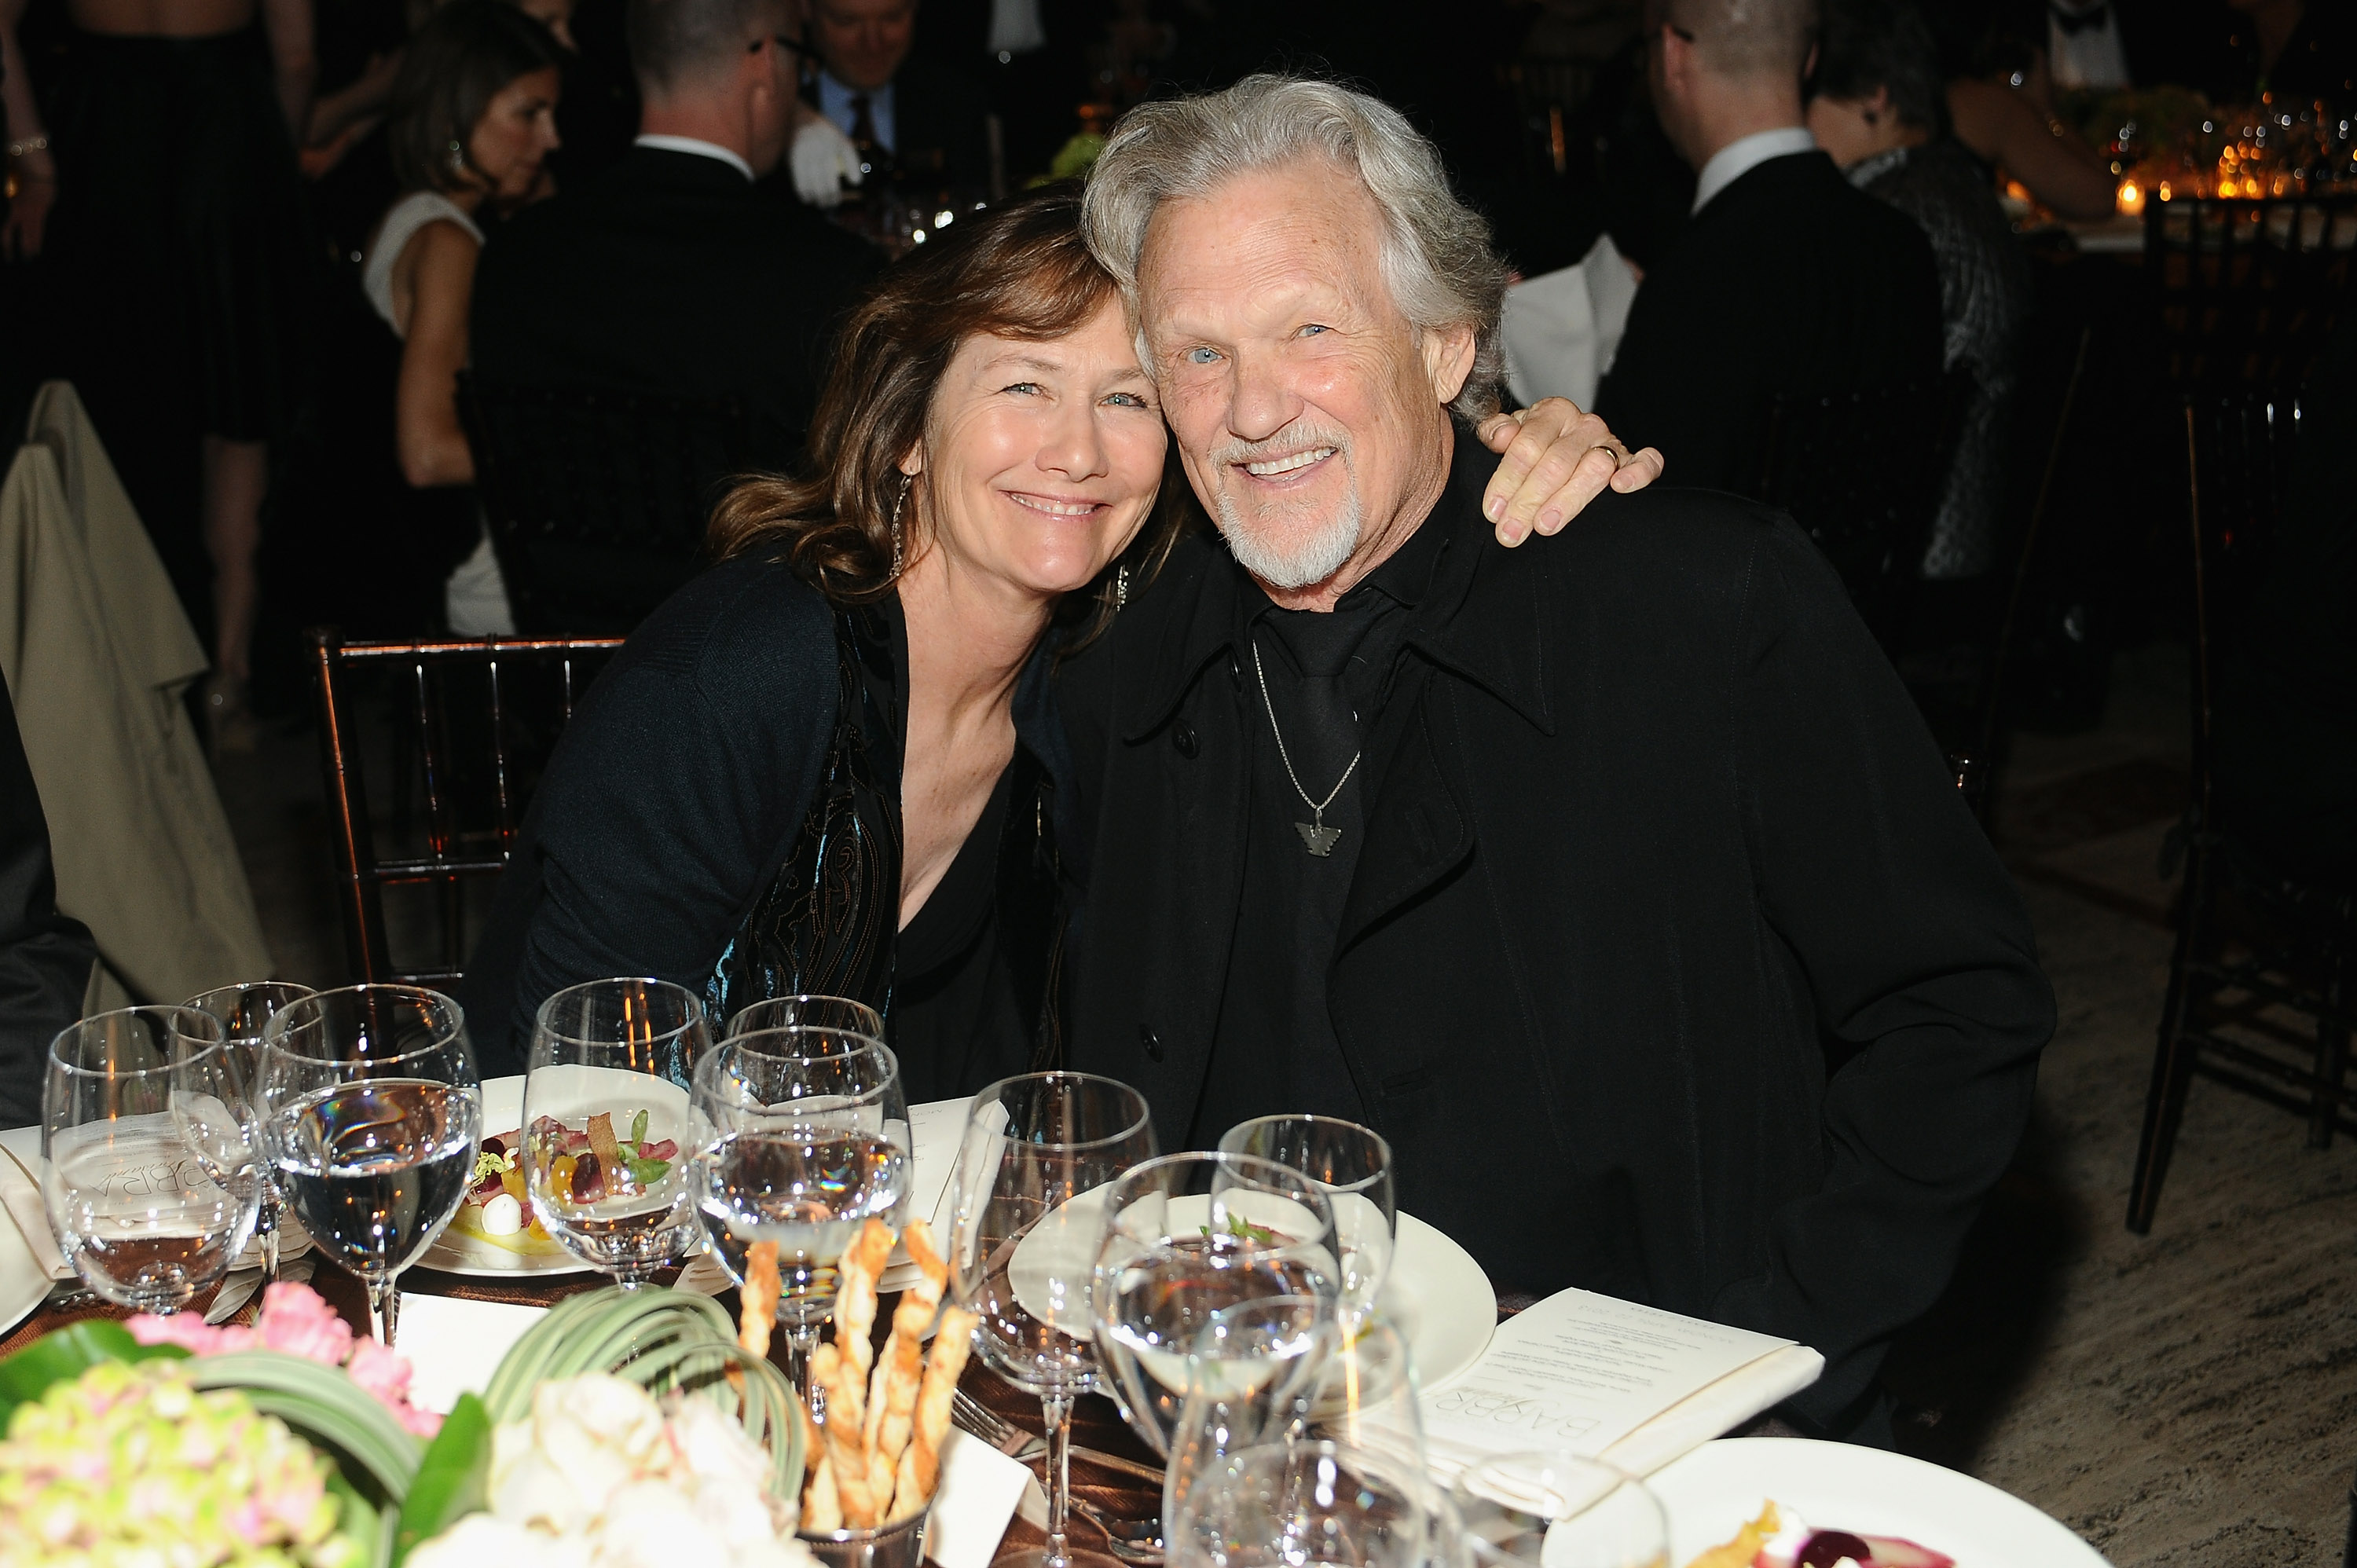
[1435, 250]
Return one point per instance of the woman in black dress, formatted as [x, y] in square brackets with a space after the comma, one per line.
[830, 763]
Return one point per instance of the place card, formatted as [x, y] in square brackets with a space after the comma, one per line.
[977, 1500]
[454, 1346]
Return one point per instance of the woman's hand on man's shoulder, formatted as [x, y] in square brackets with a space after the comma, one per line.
[1555, 460]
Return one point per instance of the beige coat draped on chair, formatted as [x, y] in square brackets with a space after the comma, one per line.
[97, 654]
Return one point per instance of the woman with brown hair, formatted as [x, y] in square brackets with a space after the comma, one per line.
[830, 763]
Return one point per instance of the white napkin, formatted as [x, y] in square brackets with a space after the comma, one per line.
[1561, 330]
[1716, 1410]
[20, 1194]
[454, 1346]
[980, 1488]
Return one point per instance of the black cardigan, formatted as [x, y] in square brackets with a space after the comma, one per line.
[1673, 967]
[675, 794]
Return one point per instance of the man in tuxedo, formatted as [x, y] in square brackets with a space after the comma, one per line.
[915, 121]
[1612, 878]
[1786, 280]
[669, 271]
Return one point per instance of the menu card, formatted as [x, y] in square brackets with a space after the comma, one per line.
[1606, 1377]
[935, 1129]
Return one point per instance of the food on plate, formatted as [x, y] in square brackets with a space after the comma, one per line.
[592, 1163]
[496, 1210]
[875, 1453]
[1779, 1538]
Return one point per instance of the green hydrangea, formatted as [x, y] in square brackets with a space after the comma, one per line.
[129, 1466]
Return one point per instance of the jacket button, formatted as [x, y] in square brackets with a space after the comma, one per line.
[1182, 736]
[1146, 1038]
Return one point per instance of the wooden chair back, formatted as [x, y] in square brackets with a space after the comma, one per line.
[2247, 291]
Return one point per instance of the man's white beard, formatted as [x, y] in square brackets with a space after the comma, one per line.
[1307, 560]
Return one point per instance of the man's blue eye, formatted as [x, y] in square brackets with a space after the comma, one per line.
[1201, 355]
[1312, 329]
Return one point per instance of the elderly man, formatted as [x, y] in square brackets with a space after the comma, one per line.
[1614, 879]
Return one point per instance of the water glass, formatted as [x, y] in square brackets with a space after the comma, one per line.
[245, 1011]
[1026, 1218]
[1187, 1236]
[374, 1116]
[1288, 1505]
[606, 1125]
[1559, 1511]
[148, 1215]
[801, 1137]
[839, 1013]
[1353, 1164]
[1290, 1368]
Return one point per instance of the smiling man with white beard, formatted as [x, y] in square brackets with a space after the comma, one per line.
[1613, 878]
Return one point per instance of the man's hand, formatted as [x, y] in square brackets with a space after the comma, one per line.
[1557, 460]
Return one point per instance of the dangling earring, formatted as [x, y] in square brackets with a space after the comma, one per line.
[1121, 589]
[458, 158]
[907, 482]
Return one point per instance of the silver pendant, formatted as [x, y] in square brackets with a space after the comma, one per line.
[1318, 838]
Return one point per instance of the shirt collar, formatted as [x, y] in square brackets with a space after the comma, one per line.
[701, 149]
[1739, 157]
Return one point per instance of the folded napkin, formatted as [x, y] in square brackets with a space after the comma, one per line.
[1560, 331]
[20, 1194]
[1718, 1410]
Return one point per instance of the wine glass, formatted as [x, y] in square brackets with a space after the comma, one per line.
[1186, 1236]
[1025, 1216]
[245, 1011]
[1520, 1510]
[606, 1125]
[131, 1202]
[1353, 1164]
[817, 1011]
[1286, 1368]
[801, 1137]
[373, 1114]
[1287, 1505]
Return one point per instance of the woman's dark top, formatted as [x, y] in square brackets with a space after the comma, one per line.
[724, 812]
[1985, 300]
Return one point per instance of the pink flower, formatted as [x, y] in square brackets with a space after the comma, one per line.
[295, 1320]
[385, 1374]
[189, 1330]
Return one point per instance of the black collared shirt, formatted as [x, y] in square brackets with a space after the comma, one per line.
[1327, 674]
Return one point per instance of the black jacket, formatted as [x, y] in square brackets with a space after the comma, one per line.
[669, 272]
[45, 957]
[1673, 967]
[1789, 280]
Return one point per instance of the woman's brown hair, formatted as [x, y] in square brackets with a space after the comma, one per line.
[1020, 270]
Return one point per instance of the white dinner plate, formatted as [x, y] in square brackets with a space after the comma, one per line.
[23, 1280]
[454, 1252]
[1435, 1291]
[1716, 1490]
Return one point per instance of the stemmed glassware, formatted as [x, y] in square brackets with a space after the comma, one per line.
[839, 1013]
[802, 1136]
[374, 1113]
[1288, 1505]
[245, 1011]
[1027, 1214]
[1559, 1511]
[1353, 1165]
[607, 1127]
[1186, 1236]
[150, 1186]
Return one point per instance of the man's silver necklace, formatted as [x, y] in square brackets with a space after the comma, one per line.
[1316, 836]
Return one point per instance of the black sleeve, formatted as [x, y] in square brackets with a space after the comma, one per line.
[671, 799]
[1656, 394]
[45, 957]
[1919, 962]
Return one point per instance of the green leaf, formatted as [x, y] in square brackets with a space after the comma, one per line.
[358, 1521]
[646, 1173]
[66, 1354]
[453, 1479]
[323, 1404]
[638, 1128]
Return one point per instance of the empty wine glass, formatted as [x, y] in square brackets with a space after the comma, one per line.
[802, 1138]
[1523, 1511]
[1288, 1369]
[607, 1129]
[1288, 1505]
[245, 1011]
[375, 1111]
[1025, 1216]
[1186, 1236]
[1353, 1164]
[129, 1197]
[839, 1013]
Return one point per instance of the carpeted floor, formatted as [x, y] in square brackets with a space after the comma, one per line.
[2189, 1397]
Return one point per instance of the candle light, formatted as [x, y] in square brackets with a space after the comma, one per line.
[2131, 198]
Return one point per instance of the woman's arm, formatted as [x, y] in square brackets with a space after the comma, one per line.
[440, 261]
[356, 106]
[294, 66]
[1557, 460]
[34, 166]
[2006, 127]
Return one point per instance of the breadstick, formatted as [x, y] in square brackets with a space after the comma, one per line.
[845, 1451]
[920, 1464]
[757, 1304]
[892, 1393]
[854, 1295]
[822, 1509]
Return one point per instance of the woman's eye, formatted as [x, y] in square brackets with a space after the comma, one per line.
[1025, 388]
[1127, 400]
